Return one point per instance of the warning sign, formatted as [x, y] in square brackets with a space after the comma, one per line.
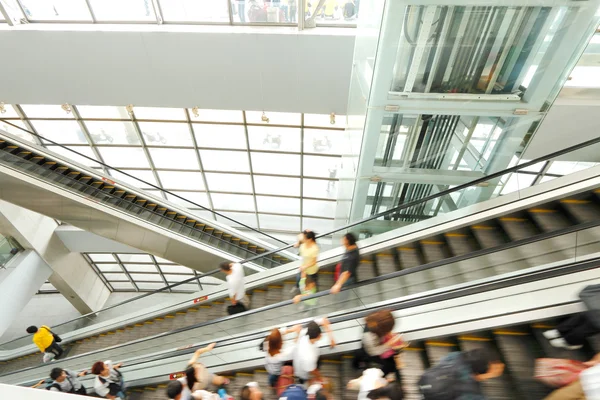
[200, 299]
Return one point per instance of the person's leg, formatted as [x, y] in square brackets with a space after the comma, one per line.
[570, 323]
[56, 349]
[388, 365]
[242, 10]
[273, 380]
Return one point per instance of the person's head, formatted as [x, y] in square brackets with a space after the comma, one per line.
[225, 267]
[32, 329]
[99, 368]
[310, 281]
[174, 389]
[58, 374]
[313, 330]
[251, 392]
[309, 236]
[348, 240]
[484, 364]
[275, 342]
[380, 322]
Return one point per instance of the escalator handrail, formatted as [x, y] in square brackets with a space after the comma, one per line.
[396, 274]
[144, 182]
[393, 305]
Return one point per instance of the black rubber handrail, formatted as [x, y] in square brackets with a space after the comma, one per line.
[144, 182]
[420, 268]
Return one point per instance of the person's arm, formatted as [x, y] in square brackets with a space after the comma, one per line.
[117, 366]
[40, 383]
[295, 328]
[325, 324]
[372, 346]
[236, 277]
[83, 373]
[311, 262]
[199, 352]
[298, 298]
[344, 276]
[593, 361]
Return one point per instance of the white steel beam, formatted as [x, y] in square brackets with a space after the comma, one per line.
[423, 176]
[12, 12]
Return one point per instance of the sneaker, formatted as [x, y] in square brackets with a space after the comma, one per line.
[562, 343]
[551, 334]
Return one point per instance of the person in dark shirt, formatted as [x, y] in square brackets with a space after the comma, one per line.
[350, 262]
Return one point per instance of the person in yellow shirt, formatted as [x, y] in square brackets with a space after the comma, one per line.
[44, 340]
[309, 251]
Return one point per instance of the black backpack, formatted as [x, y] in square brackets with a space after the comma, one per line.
[441, 382]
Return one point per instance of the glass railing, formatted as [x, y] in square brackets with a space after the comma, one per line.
[9, 248]
[514, 179]
[577, 246]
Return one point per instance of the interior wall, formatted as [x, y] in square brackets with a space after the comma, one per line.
[274, 69]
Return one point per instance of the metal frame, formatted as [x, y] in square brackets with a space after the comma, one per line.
[81, 121]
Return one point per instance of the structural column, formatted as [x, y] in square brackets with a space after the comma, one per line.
[71, 274]
[25, 274]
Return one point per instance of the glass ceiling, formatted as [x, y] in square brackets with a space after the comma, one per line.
[224, 12]
[123, 272]
[276, 172]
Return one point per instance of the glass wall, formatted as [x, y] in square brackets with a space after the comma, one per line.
[231, 12]
[9, 248]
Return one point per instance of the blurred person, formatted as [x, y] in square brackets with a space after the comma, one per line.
[459, 375]
[373, 385]
[241, 10]
[307, 286]
[380, 344]
[575, 390]
[293, 9]
[572, 332]
[45, 340]
[109, 380]
[66, 381]
[176, 391]
[251, 392]
[276, 356]
[197, 376]
[349, 264]
[235, 284]
[309, 251]
[307, 351]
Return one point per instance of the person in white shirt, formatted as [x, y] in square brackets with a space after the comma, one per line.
[276, 355]
[306, 353]
[176, 390]
[109, 381]
[235, 283]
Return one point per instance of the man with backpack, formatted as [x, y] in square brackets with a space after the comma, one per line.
[66, 381]
[458, 376]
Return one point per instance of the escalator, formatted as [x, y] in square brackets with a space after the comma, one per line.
[536, 227]
[540, 234]
[44, 182]
[491, 313]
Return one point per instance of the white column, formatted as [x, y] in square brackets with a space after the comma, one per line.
[71, 274]
[25, 274]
